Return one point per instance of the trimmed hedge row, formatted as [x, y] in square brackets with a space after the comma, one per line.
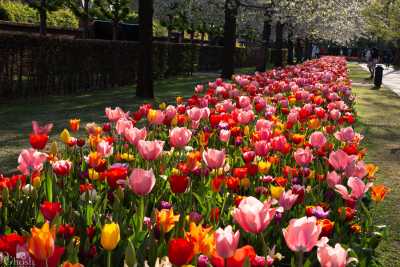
[34, 65]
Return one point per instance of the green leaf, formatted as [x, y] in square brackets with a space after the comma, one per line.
[130, 254]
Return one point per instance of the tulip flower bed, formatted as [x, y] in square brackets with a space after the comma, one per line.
[266, 170]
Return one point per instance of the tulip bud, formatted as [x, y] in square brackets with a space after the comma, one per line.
[110, 236]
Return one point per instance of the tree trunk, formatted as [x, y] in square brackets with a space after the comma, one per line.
[43, 18]
[308, 49]
[299, 51]
[192, 37]
[115, 30]
[290, 48]
[86, 19]
[266, 36]
[202, 38]
[145, 66]
[228, 61]
[279, 44]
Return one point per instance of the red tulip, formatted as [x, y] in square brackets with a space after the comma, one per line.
[178, 183]
[180, 251]
[237, 260]
[62, 167]
[38, 141]
[114, 174]
[9, 242]
[50, 209]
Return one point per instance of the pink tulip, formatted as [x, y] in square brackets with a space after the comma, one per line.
[45, 129]
[339, 159]
[199, 88]
[358, 189]
[141, 182]
[334, 114]
[302, 234]
[253, 215]
[115, 114]
[293, 117]
[170, 112]
[226, 241]
[205, 113]
[214, 158]
[261, 148]
[150, 150]
[303, 157]
[317, 139]
[244, 101]
[331, 256]
[104, 148]
[356, 169]
[179, 137]
[122, 125]
[62, 167]
[333, 178]
[345, 134]
[194, 113]
[288, 199]
[31, 160]
[133, 135]
[263, 124]
[245, 117]
[224, 135]
[156, 117]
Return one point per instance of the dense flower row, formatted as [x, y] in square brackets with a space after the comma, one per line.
[266, 170]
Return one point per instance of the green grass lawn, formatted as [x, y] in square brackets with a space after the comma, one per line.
[16, 116]
[379, 121]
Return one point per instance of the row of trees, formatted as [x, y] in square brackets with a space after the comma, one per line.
[383, 22]
[286, 22]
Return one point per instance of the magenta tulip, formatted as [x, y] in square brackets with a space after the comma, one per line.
[179, 137]
[141, 182]
[150, 150]
[214, 158]
[261, 148]
[253, 215]
[226, 241]
[302, 234]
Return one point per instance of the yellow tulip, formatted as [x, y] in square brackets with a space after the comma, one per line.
[110, 236]
[162, 106]
[264, 166]
[65, 136]
[93, 175]
[41, 243]
[276, 191]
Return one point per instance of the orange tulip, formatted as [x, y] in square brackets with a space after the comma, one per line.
[41, 243]
[74, 124]
[378, 192]
[202, 239]
[166, 219]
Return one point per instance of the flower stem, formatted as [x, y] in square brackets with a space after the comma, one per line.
[300, 257]
[264, 245]
[109, 258]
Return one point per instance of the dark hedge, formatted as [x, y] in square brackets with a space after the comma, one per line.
[34, 65]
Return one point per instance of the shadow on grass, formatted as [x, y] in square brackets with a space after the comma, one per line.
[16, 115]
